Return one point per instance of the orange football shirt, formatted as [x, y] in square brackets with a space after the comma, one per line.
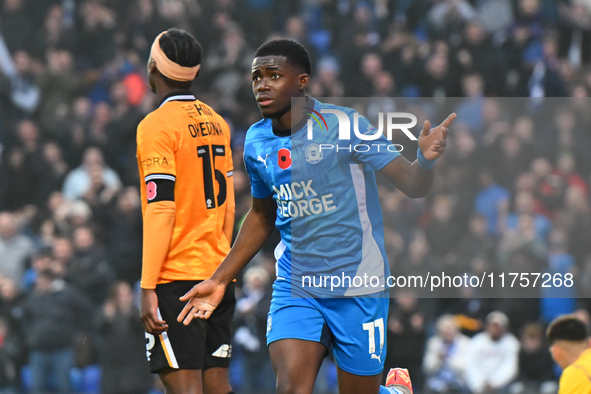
[186, 141]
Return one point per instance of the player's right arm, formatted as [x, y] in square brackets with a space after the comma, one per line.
[159, 213]
[258, 225]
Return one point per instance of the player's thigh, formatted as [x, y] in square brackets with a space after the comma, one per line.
[296, 363]
[356, 384]
[358, 327]
[298, 340]
[180, 347]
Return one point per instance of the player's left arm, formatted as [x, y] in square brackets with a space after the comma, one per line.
[412, 178]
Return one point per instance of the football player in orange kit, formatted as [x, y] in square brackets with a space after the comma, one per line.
[185, 162]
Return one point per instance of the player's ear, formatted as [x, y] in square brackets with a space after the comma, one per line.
[151, 66]
[304, 81]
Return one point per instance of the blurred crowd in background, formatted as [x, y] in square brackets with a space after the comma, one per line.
[510, 193]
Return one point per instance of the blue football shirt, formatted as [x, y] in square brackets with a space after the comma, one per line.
[328, 210]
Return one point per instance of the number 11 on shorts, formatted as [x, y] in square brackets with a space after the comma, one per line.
[371, 329]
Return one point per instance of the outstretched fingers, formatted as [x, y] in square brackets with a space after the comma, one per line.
[448, 120]
[194, 292]
[186, 314]
[426, 129]
[195, 310]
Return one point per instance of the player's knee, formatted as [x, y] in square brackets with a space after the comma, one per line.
[186, 389]
[217, 388]
[216, 381]
[292, 386]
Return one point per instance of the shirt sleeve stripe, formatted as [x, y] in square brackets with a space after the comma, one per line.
[229, 173]
[167, 177]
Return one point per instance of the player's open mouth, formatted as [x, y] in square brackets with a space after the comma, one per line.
[264, 101]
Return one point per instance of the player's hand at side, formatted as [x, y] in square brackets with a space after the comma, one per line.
[202, 300]
[149, 313]
[432, 141]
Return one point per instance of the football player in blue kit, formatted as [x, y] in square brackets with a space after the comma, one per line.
[325, 205]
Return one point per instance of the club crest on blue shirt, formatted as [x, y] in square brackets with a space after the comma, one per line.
[313, 153]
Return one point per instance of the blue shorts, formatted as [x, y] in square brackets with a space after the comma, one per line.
[354, 327]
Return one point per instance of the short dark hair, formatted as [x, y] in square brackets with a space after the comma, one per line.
[295, 53]
[183, 49]
[567, 328]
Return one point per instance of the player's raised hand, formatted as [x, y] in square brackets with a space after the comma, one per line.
[202, 300]
[433, 141]
[149, 313]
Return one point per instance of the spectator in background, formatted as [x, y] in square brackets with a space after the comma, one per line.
[89, 270]
[251, 322]
[98, 196]
[125, 369]
[445, 358]
[442, 232]
[578, 223]
[227, 62]
[470, 108]
[525, 204]
[11, 310]
[79, 181]
[60, 84]
[549, 189]
[15, 248]
[74, 130]
[439, 79]
[476, 243]
[53, 314]
[327, 82]
[124, 235]
[10, 353]
[492, 359]
[575, 26]
[54, 32]
[536, 373]
[448, 17]
[370, 65]
[19, 72]
[126, 115]
[55, 171]
[511, 156]
[39, 261]
[16, 25]
[62, 253]
[418, 260]
[491, 200]
[477, 52]
[15, 181]
[560, 298]
[406, 334]
[96, 33]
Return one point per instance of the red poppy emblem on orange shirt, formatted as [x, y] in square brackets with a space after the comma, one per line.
[151, 190]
